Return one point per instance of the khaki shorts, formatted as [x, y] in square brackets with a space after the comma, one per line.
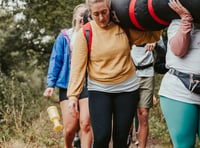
[146, 92]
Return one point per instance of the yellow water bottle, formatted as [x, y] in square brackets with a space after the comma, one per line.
[54, 117]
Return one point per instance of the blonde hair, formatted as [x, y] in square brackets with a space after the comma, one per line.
[89, 2]
[82, 5]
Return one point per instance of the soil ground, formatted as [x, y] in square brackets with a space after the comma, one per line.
[151, 143]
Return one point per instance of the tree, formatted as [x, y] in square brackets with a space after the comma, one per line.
[25, 47]
[43, 20]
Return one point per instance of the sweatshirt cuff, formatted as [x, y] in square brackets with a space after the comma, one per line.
[73, 98]
[50, 85]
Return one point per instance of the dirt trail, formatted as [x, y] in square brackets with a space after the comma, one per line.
[152, 143]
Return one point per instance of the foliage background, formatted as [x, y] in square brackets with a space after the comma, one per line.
[28, 29]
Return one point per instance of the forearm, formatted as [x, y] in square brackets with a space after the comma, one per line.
[78, 67]
[77, 73]
[180, 42]
[56, 61]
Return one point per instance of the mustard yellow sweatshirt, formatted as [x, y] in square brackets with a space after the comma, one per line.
[110, 61]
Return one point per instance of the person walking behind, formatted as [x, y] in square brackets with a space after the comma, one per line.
[143, 59]
[58, 76]
[112, 83]
[180, 88]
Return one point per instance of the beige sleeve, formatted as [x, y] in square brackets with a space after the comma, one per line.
[140, 37]
[78, 66]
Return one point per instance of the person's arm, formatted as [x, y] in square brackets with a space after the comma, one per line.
[55, 64]
[141, 37]
[56, 61]
[78, 66]
[180, 42]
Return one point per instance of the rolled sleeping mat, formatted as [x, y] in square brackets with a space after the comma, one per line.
[149, 14]
[120, 13]
[143, 17]
[135, 14]
[164, 12]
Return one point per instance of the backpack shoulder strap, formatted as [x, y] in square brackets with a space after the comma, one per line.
[87, 31]
[64, 32]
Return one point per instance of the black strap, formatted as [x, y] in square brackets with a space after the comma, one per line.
[182, 74]
[87, 31]
[178, 73]
[144, 66]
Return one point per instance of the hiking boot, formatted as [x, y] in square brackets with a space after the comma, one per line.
[136, 142]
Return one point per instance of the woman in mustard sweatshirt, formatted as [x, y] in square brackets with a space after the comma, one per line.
[113, 88]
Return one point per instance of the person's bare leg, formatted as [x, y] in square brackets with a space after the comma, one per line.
[143, 126]
[70, 124]
[129, 140]
[85, 125]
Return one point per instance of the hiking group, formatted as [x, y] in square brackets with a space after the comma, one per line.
[105, 76]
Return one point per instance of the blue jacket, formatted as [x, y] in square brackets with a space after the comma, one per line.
[59, 64]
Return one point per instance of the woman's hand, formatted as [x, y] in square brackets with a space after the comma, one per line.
[73, 107]
[48, 92]
[180, 9]
[150, 46]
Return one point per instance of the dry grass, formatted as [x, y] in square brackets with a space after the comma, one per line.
[39, 135]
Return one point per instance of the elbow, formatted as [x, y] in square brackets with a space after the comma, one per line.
[179, 48]
[179, 53]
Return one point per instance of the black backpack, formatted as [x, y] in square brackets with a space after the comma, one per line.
[160, 54]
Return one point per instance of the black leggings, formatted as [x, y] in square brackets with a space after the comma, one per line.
[102, 106]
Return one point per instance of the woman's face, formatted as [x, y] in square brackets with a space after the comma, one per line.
[100, 13]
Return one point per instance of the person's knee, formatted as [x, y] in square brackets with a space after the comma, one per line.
[101, 141]
[69, 130]
[102, 138]
[85, 126]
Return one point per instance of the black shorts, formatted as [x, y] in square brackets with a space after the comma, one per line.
[63, 93]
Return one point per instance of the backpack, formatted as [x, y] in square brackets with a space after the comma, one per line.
[160, 54]
[87, 31]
